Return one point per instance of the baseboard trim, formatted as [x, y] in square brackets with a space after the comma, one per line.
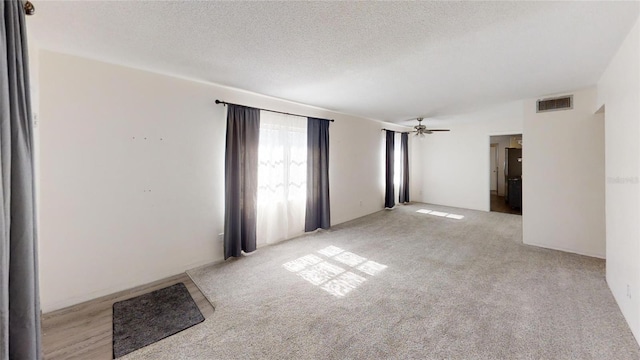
[117, 289]
[118, 294]
[567, 250]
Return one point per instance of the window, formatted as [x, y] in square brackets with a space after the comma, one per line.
[282, 177]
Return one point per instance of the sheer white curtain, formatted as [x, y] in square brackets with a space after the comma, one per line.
[282, 177]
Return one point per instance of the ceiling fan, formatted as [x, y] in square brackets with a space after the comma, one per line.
[421, 130]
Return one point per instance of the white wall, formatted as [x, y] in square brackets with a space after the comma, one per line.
[563, 169]
[563, 177]
[619, 91]
[132, 174]
[456, 164]
[416, 169]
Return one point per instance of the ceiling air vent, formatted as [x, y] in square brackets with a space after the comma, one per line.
[557, 103]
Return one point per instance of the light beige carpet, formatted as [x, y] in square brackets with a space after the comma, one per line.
[404, 285]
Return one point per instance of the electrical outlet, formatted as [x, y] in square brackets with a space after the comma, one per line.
[221, 237]
[360, 203]
[628, 291]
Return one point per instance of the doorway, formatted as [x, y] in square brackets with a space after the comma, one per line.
[493, 168]
[505, 173]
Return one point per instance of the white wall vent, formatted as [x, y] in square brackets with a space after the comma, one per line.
[554, 104]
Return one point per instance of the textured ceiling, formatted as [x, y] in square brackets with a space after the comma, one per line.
[390, 61]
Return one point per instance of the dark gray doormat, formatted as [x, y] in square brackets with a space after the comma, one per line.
[151, 317]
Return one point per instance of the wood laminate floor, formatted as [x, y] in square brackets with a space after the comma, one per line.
[85, 331]
[499, 205]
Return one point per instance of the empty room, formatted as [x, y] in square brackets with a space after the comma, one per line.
[320, 180]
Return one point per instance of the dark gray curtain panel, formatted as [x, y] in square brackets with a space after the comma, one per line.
[404, 168]
[19, 297]
[241, 180]
[318, 213]
[389, 163]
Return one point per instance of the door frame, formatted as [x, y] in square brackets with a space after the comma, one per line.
[488, 165]
[494, 145]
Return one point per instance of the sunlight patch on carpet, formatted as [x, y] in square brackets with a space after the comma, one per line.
[343, 284]
[440, 214]
[331, 277]
[301, 263]
[330, 251]
[371, 267]
[349, 258]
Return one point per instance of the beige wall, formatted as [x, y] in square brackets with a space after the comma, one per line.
[455, 164]
[563, 169]
[563, 177]
[132, 174]
[619, 92]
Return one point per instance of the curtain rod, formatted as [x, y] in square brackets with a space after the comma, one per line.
[274, 111]
[399, 132]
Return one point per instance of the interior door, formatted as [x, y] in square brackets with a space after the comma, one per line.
[493, 168]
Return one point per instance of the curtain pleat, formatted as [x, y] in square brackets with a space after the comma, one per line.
[389, 164]
[318, 214]
[404, 169]
[19, 294]
[241, 180]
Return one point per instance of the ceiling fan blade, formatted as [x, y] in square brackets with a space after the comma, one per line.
[421, 130]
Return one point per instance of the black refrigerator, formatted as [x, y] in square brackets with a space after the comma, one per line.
[513, 177]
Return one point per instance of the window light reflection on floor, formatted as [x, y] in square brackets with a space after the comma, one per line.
[441, 214]
[331, 277]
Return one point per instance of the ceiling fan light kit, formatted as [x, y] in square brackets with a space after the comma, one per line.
[422, 130]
